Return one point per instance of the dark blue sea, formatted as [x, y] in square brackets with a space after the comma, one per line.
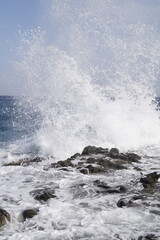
[17, 122]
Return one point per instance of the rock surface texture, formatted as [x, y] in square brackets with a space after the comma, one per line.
[100, 190]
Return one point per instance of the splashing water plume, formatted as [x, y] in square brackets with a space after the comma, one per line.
[93, 83]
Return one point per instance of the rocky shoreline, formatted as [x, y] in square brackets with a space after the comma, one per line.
[142, 192]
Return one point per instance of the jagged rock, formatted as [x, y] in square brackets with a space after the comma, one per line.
[114, 151]
[84, 170]
[6, 214]
[29, 213]
[104, 160]
[124, 203]
[129, 157]
[43, 194]
[91, 160]
[89, 150]
[132, 157]
[2, 220]
[138, 168]
[148, 237]
[100, 184]
[104, 151]
[4, 217]
[138, 197]
[94, 150]
[107, 189]
[107, 164]
[93, 169]
[25, 162]
[74, 156]
[150, 180]
[65, 163]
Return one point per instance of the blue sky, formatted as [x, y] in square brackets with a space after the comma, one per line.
[14, 15]
[28, 14]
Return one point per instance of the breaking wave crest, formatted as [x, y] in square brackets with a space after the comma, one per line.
[92, 84]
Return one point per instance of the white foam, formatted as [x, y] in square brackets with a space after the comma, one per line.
[98, 88]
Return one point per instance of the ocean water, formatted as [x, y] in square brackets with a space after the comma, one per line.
[88, 78]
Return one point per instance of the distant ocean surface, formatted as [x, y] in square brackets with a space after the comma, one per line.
[18, 122]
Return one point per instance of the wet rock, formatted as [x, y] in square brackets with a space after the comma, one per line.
[98, 183]
[129, 157]
[29, 213]
[138, 197]
[150, 180]
[104, 151]
[89, 150]
[93, 169]
[132, 157]
[124, 203]
[148, 237]
[94, 150]
[65, 163]
[154, 211]
[74, 156]
[25, 162]
[43, 194]
[84, 170]
[4, 217]
[114, 151]
[107, 164]
[107, 189]
[91, 160]
[2, 220]
[65, 169]
[138, 168]
[6, 214]
[120, 162]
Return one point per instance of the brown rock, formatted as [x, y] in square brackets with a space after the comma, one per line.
[29, 213]
[4, 217]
